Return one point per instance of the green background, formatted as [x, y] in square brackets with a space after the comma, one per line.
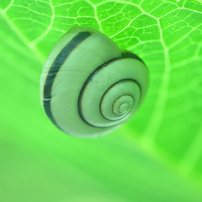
[155, 156]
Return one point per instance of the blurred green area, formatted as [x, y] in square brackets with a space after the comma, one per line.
[39, 163]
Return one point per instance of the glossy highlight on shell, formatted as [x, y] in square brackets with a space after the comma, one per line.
[89, 87]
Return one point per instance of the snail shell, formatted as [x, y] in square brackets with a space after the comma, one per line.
[89, 87]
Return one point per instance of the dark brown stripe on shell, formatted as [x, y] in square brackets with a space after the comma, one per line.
[54, 69]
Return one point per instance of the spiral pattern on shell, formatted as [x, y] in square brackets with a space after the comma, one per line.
[89, 87]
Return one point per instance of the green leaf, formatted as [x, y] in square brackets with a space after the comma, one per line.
[156, 156]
